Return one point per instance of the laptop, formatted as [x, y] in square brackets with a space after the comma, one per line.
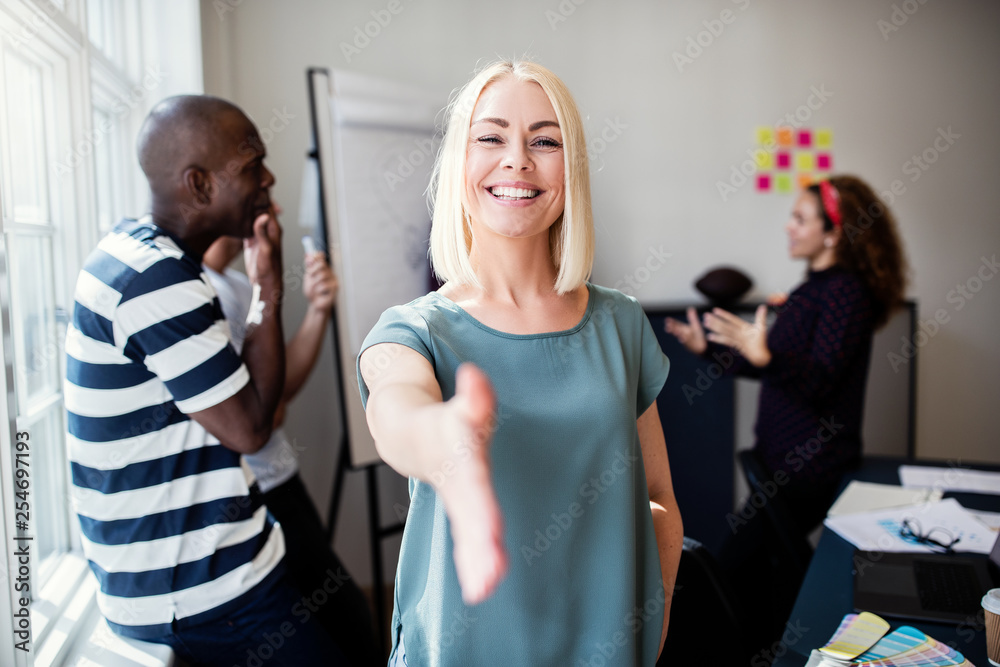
[924, 587]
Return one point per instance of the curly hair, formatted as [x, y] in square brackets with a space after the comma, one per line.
[869, 244]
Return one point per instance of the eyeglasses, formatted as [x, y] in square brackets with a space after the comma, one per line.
[935, 538]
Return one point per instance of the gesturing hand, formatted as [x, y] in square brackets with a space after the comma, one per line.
[690, 335]
[466, 488]
[750, 338]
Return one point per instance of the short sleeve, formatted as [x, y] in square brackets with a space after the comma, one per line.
[653, 365]
[399, 324]
[179, 333]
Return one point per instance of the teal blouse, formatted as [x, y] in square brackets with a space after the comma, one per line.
[584, 584]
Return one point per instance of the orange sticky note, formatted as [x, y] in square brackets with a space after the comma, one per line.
[805, 180]
[786, 137]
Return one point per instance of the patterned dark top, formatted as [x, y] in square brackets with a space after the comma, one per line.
[813, 392]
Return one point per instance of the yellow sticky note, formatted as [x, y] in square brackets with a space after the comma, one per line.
[805, 161]
[764, 159]
[765, 136]
[823, 137]
[783, 183]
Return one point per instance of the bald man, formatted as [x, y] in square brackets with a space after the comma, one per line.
[160, 406]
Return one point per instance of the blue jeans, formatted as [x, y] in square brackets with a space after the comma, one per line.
[267, 631]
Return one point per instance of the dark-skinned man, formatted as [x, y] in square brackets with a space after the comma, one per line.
[160, 406]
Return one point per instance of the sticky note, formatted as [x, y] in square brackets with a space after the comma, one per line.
[805, 161]
[824, 137]
[805, 180]
[805, 138]
[763, 182]
[765, 136]
[764, 159]
[824, 161]
[783, 183]
[785, 136]
[784, 159]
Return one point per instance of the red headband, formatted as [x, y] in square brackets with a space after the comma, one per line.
[831, 201]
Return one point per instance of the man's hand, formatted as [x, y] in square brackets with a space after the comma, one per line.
[262, 251]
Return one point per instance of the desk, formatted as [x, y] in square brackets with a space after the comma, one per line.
[827, 591]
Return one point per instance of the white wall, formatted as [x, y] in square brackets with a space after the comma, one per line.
[679, 134]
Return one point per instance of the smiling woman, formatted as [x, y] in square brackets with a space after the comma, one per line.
[547, 446]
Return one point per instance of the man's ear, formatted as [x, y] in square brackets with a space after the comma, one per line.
[198, 183]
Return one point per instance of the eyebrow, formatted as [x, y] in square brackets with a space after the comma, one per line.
[504, 124]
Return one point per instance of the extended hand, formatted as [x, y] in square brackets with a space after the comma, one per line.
[466, 487]
[690, 335]
[750, 338]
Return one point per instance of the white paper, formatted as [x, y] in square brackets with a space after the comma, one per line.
[879, 530]
[950, 479]
[867, 497]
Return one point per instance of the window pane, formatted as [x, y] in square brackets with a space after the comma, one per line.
[26, 114]
[37, 343]
[104, 158]
[95, 23]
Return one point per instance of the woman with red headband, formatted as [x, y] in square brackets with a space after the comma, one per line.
[813, 363]
[813, 367]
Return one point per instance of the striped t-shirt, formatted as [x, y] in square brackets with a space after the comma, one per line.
[168, 524]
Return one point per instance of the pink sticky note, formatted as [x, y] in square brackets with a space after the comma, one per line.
[784, 160]
[763, 182]
[824, 161]
[805, 138]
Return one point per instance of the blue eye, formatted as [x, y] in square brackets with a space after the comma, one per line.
[548, 143]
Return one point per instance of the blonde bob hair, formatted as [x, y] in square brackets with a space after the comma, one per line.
[571, 236]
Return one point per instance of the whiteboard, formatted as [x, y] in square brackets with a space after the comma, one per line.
[375, 143]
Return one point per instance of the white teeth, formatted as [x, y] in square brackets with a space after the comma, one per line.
[513, 193]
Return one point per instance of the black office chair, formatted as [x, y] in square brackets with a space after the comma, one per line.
[704, 614]
[792, 548]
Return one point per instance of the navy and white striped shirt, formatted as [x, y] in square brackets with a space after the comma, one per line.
[168, 524]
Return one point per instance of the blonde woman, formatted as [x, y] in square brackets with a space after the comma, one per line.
[520, 401]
